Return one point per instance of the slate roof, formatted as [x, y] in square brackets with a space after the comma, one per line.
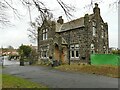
[74, 23]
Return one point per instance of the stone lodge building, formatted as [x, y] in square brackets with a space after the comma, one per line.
[74, 40]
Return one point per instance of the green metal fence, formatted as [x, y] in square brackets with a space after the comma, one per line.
[105, 59]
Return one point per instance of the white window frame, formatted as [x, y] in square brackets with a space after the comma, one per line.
[73, 50]
[102, 26]
[94, 23]
[76, 49]
[94, 28]
[94, 31]
[71, 55]
[92, 46]
[45, 34]
[76, 54]
[102, 34]
[46, 52]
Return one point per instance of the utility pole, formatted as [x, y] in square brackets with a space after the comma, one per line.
[29, 10]
[69, 48]
[2, 56]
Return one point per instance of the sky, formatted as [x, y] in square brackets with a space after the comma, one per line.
[17, 34]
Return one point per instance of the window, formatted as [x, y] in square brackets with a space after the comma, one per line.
[102, 26]
[44, 52]
[102, 34]
[72, 54]
[92, 48]
[77, 54]
[45, 36]
[77, 46]
[72, 47]
[94, 31]
[74, 51]
[93, 23]
[103, 46]
[94, 28]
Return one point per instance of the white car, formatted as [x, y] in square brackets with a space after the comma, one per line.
[1, 60]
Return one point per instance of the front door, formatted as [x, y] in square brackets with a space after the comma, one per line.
[56, 52]
[64, 54]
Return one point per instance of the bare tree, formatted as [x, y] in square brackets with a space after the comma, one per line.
[44, 12]
[3, 15]
[42, 8]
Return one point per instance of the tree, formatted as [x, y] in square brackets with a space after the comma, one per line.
[40, 5]
[10, 47]
[116, 51]
[3, 14]
[33, 56]
[45, 13]
[24, 52]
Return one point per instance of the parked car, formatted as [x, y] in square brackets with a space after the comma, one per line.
[1, 60]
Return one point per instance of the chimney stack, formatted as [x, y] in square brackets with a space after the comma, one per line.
[60, 20]
[96, 9]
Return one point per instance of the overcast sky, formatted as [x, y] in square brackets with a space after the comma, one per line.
[17, 34]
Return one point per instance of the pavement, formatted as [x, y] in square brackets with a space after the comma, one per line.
[58, 79]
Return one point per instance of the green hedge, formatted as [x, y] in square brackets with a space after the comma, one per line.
[105, 59]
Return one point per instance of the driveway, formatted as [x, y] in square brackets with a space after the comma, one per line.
[57, 79]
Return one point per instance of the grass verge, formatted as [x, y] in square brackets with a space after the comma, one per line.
[9, 81]
[106, 70]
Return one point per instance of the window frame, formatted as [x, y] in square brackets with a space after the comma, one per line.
[94, 28]
[92, 46]
[74, 50]
[45, 34]
[45, 50]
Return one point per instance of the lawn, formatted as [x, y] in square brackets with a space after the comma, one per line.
[9, 81]
[106, 70]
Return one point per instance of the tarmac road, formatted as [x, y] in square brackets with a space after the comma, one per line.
[57, 79]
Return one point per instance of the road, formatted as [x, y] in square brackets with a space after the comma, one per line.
[57, 79]
[5, 61]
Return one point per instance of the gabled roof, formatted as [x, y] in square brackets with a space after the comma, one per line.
[74, 23]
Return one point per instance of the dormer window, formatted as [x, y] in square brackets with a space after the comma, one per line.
[45, 35]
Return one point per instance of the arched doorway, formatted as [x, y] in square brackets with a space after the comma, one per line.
[64, 54]
[56, 52]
